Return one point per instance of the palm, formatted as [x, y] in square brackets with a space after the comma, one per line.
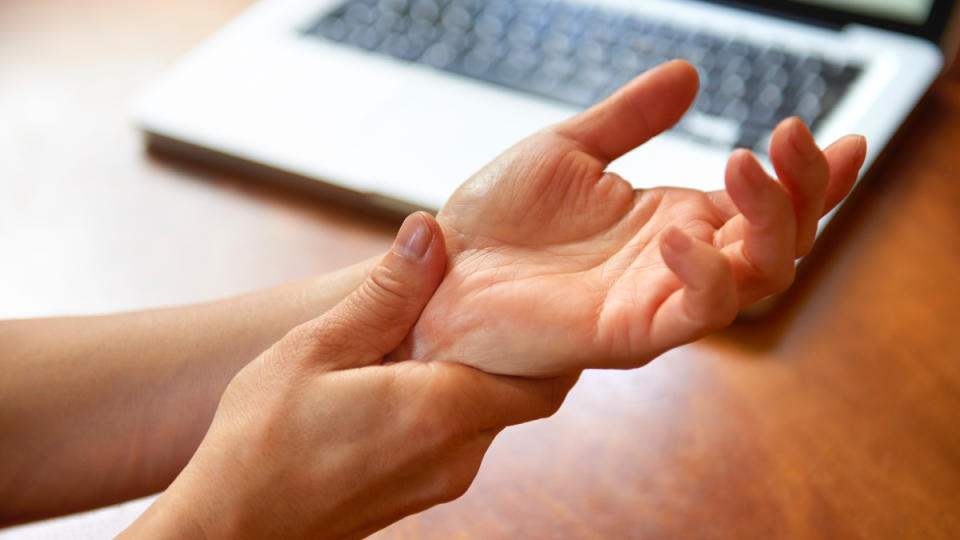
[555, 265]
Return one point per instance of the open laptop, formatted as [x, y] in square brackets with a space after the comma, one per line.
[397, 102]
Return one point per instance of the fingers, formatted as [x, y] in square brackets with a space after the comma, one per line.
[452, 480]
[376, 317]
[708, 300]
[816, 180]
[845, 158]
[465, 396]
[803, 170]
[643, 108]
[763, 263]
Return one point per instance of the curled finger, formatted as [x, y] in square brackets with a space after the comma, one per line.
[763, 263]
[708, 299]
[803, 170]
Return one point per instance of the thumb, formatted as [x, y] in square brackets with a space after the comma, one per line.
[375, 318]
[641, 110]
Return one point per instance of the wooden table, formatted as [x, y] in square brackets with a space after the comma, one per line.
[839, 416]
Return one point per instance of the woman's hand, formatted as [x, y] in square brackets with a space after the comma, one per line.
[556, 265]
[316, 438]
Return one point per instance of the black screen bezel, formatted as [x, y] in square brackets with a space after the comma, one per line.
[932, 29]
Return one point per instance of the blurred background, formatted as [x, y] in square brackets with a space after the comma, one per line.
[91, 223]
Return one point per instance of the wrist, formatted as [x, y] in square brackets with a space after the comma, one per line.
[169, 517]
[209, 500]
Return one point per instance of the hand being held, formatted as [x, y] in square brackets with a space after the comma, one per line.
[556, 265]
[316, 438]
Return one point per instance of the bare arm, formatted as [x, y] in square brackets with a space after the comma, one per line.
[96, 410]
[317, 438]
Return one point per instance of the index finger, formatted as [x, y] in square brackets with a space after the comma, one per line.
[483, 401]
[642, 109]
[846, 157]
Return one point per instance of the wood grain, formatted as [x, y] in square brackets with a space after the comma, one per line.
[837, 416]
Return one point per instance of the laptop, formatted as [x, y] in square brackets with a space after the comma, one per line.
[394, 103]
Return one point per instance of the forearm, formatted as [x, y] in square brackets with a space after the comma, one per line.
[95, 410]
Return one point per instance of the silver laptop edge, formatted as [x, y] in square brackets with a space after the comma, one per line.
[400, 134]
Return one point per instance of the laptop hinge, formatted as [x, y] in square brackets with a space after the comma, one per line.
[780, 14]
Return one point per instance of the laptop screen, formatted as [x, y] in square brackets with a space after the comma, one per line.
[924, 18]
[905, 11]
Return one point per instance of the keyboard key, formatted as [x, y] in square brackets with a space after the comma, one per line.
[733, 86]
[771, 96]
[439, 55]
[754, 137]
[426, 10]
[522, 35]
[710, 128]
[360, 15]
[398, 46]
[557, 43]
[477, 64]
[736, 110]
[333, 28]
[365, 37]
[397, 6]
[578, 55]
[457, 17]
[389, 23]
[559, 67]
[592, 53]
[576, 93]
[626, 59]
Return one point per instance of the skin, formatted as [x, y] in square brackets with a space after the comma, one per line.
[317, 438]
[556, 265]
[133, 393]
[541, 265]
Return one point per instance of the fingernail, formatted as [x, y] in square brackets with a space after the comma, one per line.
[802, 139]
[414, 236]
[862, 142]
[678, 241]
[753, 171]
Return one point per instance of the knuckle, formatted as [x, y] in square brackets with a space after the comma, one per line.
[720, 271]
[301, 342]
[728, 302]
[426, 425]
[321, 337]
[386, 284]
[382, 297]
[547, 396]
[558, 393]
[781, 203]
[459, 486]
[720, 303]
[454, 480]
[773, 276]
[452, 484]
[727, 312]
[719, 311]
[373, 304]
[445, 432]
[432, 420]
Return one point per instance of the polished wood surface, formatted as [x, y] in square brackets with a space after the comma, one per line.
[838, 416]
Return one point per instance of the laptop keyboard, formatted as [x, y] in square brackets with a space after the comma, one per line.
[580, 54]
